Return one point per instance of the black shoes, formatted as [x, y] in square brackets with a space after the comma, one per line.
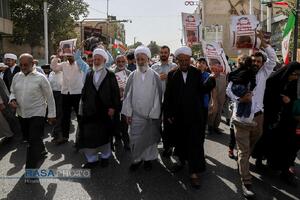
[288, 178]
[247, 191]
[195, 182]
[134, 166]
[167, 153]
[104, 162]
[148, 165]
[177, 168]
[90, 165]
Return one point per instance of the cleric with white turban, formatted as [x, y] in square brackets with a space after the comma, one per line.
[183, 50]
[142, 107]
[142, 56]
[10, 56]
[10, 60]
[101, 52]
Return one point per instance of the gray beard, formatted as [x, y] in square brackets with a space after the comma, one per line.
[96, 68]
[143, 69]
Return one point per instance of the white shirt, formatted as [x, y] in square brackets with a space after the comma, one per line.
[13, 68]
[72, 76]
[163, 69]
[97, 74]
[261, 78]
[56, 79]
[33, 93]
[184, 75]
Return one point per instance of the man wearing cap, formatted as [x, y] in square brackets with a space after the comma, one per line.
[142, 107]
[73, 73]
[163, 67]
[100, 101]
[11, 61]
[184, 108]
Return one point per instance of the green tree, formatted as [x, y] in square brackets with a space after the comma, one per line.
[154, 48]
[28, 20]
[135, 45]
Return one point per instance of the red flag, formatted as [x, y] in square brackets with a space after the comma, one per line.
[281, 3]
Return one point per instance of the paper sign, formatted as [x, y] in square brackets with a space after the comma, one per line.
[191, 28]
[243, 31]
[216, 57]
[67, 47]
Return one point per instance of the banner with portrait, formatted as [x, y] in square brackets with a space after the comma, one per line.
[243, 31]
[191, 28]
[67, 47]
[215, 57]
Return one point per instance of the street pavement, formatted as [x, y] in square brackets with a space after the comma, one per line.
[220, 181]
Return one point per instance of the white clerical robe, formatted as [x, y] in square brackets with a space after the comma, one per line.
[143, 103]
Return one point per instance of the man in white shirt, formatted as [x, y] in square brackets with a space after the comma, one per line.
[247, 136]
[56, 79]
[72, 84]
[163, 68]
[30, 95]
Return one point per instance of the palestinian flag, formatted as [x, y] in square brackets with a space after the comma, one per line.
[286, 37]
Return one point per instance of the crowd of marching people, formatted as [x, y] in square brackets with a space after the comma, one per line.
[177, 101]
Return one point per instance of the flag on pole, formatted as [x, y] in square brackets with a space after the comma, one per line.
[286, 37]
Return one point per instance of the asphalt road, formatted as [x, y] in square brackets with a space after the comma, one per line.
[220, 181]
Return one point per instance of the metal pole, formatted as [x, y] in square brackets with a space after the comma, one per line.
[296, 32]
[107, 4]
[46, 31]
[262, 12]
[269, 17]
[217, 29]
[250, 7]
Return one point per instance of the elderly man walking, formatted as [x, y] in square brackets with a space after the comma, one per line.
[142, 107]
[30, 95]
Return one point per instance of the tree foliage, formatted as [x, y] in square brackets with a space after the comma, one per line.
[154, 48]
[28, 19]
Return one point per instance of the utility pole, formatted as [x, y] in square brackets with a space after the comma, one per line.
[269, 16]
[107, 7]
[251, 7]
[46, 31]
[296, 32]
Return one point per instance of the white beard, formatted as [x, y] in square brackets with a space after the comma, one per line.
[143, 68]
[97, 68]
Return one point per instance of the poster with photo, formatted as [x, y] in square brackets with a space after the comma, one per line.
[122, 80]
[67, 47]
[215, 57]
[243, 31]
[191, 28]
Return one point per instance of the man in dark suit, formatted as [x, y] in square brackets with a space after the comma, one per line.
[184, 109]
[11, 61]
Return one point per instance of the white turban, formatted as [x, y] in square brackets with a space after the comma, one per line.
[183, 50]
[10, 56]
[144, 50]
[101, 52]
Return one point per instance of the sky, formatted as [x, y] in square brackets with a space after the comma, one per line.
[152, 20]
